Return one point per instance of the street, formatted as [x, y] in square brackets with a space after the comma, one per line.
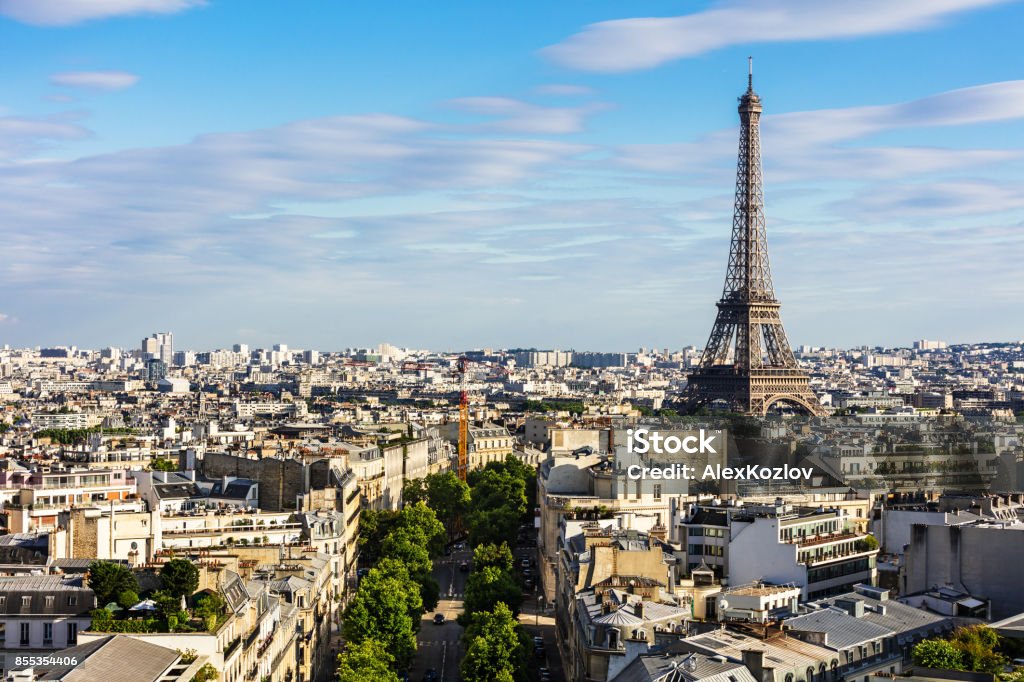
[439, 646]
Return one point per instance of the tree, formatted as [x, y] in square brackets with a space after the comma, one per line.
[448, 496]
[971, 648]
[368, 660]
[977, 644]
[938, 653]
[108, 579]
[414, 490]
[496, 648]
[180, 577]
[498, 504]
[867, 543]
[493, 555]
[421, 519]
[404, 545]
[127, 598]
[162, 464]
[386, 608]
[490, 586]
[418, 519]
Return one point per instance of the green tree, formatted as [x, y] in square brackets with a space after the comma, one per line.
[108, 579]
[487, 587]
[493, 555]
[404, 545]
[448, 496]
[938, 653]
[977, 644]
[180, 577]
[127, 598]
[866, 544]
[368, 660]
[162, 464]
[498, 504]
[385, 609]
[496, 648]
[414, 490]
[421, 519]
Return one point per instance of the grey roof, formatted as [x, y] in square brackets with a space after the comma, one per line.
[105, 659]
[679, 666]
[618, 617]
[898, 617]
[843, 630]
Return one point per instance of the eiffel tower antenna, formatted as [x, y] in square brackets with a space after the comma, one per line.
[747, 361]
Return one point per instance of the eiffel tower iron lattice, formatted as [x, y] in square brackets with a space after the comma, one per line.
[747, 361]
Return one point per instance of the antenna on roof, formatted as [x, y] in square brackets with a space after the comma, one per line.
[750, 73]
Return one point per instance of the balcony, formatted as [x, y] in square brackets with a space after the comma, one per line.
[825, 539]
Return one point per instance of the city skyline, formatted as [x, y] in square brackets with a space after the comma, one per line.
[565, 183]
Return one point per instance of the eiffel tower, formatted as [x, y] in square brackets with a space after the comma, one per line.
[748, 361]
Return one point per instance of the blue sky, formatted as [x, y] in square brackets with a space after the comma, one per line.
[455, 175]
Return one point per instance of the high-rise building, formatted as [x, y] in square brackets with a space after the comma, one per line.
[747, 362]
[159, 346]
[242, 348]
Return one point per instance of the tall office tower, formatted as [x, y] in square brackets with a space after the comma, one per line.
[159, 346]
[747, 361]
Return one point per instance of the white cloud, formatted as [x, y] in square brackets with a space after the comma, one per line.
[22, 136]
[65, 12]
[564, 90]
[516, 116]
[631, 44]
[95, 80]
[811, 145]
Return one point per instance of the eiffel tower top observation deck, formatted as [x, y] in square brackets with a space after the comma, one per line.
[748, 361]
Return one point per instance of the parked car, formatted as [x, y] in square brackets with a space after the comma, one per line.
[431, 675]
[463, 567]
[438, 619]
[525, 563]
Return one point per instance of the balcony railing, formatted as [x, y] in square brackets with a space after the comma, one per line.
[825, 539]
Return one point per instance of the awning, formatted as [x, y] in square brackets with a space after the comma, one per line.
[970, 603]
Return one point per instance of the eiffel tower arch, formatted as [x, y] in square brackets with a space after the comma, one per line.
[748, 361]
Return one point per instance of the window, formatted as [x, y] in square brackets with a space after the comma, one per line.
[657, 492]
[26, 603]
[49, 601]
[73, 600]
[72, 634]
[24, 634]
[47, 634]
[3, 634]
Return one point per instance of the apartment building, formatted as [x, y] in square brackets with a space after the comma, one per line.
[40, 614]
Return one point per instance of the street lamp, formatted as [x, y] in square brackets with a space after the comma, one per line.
[540, 602]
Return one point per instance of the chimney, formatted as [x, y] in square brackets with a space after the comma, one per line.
[753, 659]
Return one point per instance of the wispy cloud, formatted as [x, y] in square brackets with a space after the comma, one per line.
[642, 43]
[564, 90]
[830, 144]
[516, 116]
[20, 136]
[95, 80]
[65, 12]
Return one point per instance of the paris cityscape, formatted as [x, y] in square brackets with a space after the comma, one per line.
[205, 476]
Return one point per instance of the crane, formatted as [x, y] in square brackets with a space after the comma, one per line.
[463, 363]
